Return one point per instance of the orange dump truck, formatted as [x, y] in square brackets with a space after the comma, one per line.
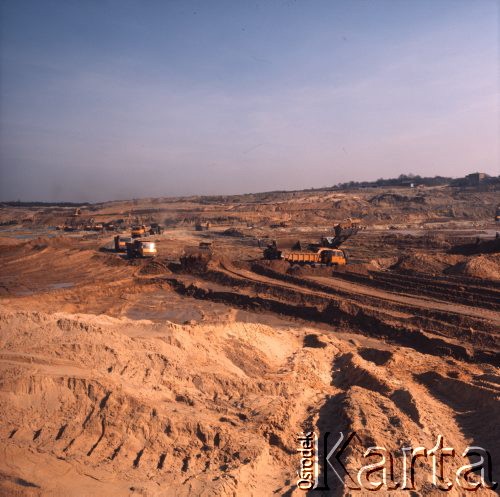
[330, 257]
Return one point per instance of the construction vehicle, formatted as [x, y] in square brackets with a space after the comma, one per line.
[342, 231]
[110, 226]
[325, 256]
[271, 252]
[155, 229]
[326, 252]
[315, 255]
[121, 243]
[138, 230]
[202, 227]
[71, 223]
[140, 248]
[497, 214]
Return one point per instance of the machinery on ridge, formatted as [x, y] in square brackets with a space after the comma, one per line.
[327, 252]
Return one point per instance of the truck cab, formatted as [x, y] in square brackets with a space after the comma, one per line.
[138, 231]
[333, 257]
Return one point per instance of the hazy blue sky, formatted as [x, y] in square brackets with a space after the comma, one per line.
[108, 99]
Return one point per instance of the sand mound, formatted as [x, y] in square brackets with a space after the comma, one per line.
[391, 199]
[41, 243]
[481, 266]
[423, 262]
[155, 266]
[233, 232]
[95, 405]
[148, 409]
[436, 240]
[276, 265]
[383, 263]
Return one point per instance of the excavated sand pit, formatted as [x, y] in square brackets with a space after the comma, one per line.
[152, 378]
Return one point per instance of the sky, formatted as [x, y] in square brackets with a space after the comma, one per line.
[115, 99]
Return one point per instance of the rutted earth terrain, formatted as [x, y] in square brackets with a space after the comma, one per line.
[152, 378]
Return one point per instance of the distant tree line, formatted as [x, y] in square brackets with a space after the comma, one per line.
[401, 180]
[18, 203]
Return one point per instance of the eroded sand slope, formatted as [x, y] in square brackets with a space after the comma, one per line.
[93, 405]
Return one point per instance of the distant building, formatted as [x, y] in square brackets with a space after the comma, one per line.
[475, 179]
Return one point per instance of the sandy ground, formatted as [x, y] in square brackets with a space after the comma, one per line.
[148, 379]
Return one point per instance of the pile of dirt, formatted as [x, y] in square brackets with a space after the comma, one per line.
[41, 243]
[277, 265]
[43, 264]
[155, 266]
[233, 232]
[297, 270]
[436, 240]
[481, 266]
[395, 198]
[478, 247]
[423, 262]
[112, 260]
[11, 247]
[307, 270]
[382, 263]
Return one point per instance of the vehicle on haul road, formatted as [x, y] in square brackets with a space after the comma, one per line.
[326, 256]
[138, 231]
[141, 248]
[327, 252]
[121, 243]
[155, 229]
